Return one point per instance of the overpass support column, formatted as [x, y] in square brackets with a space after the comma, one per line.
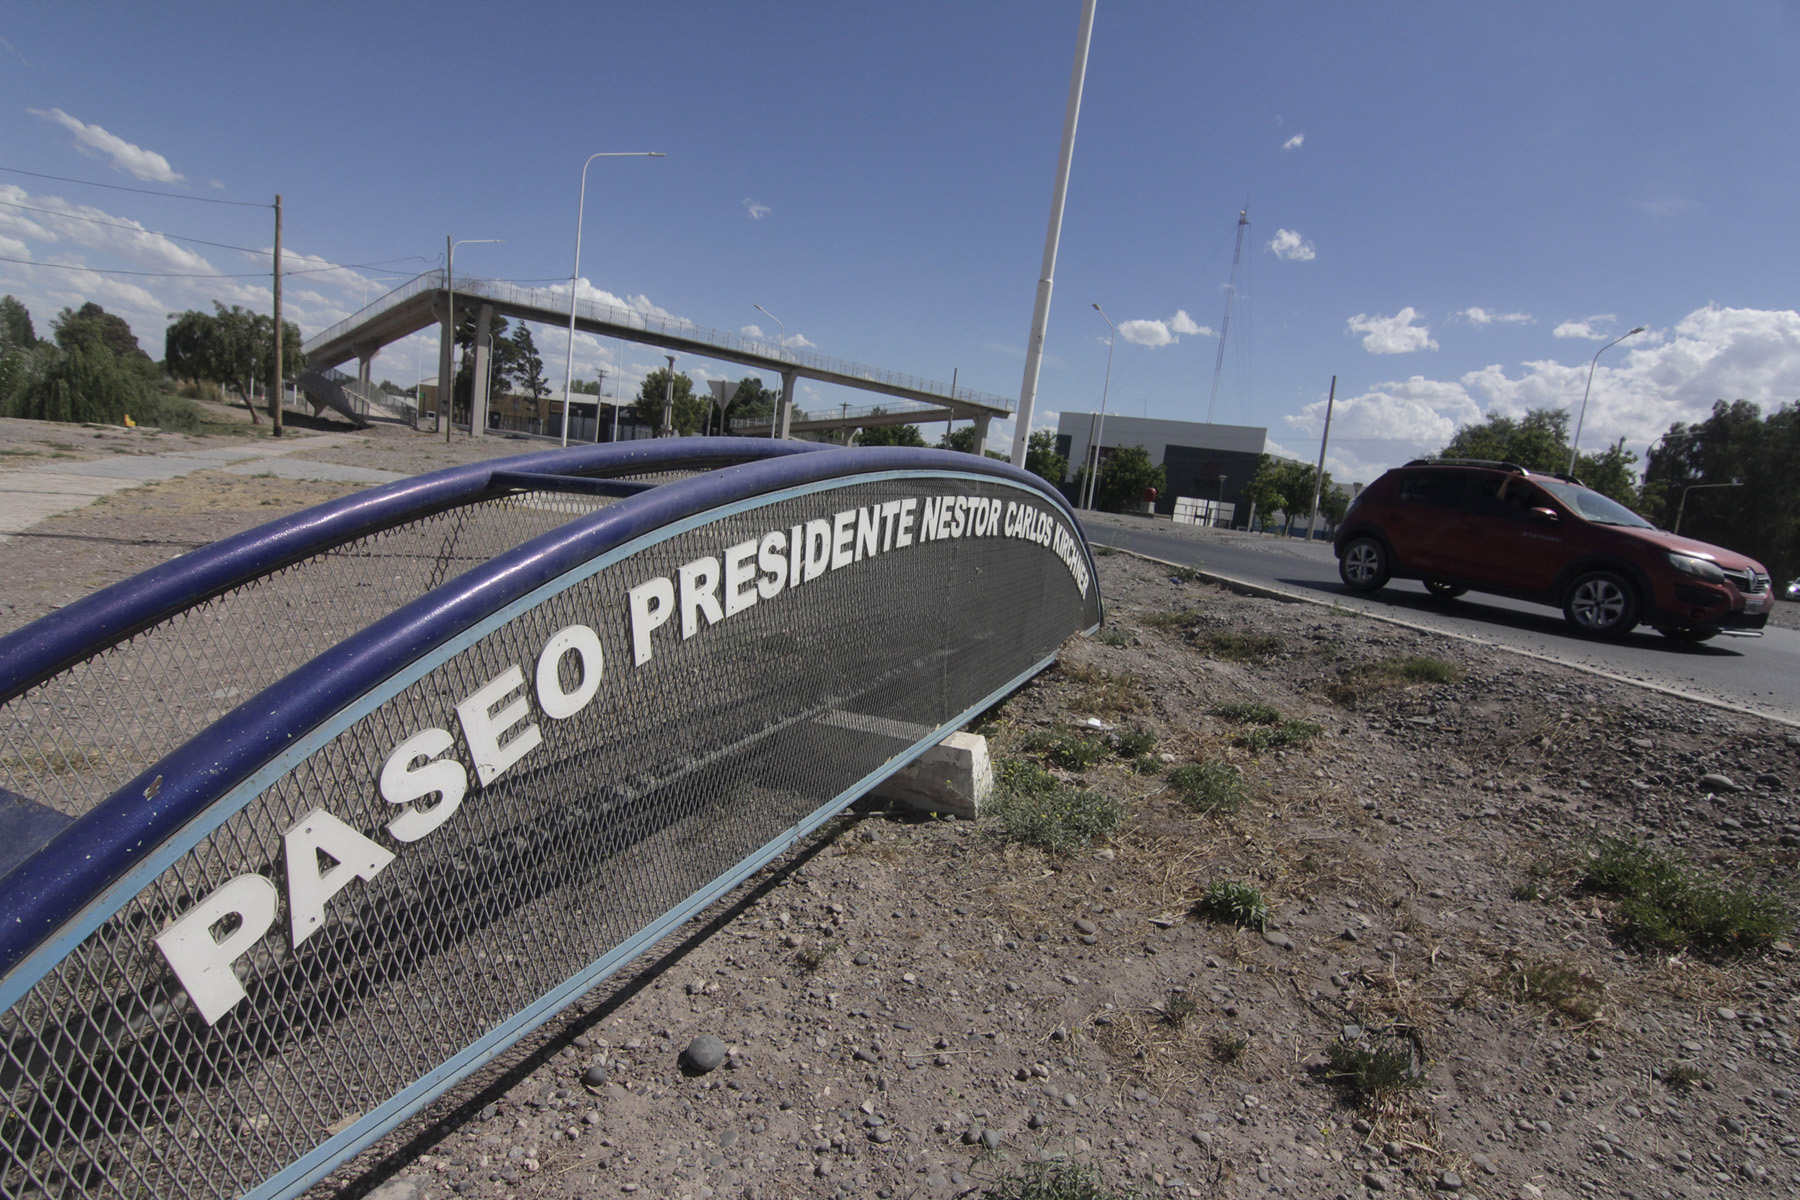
[365, 362]
[981, 432]
[478, 382]
[784, 411]
[446, 368]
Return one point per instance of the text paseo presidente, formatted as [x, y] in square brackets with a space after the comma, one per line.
[426, 786]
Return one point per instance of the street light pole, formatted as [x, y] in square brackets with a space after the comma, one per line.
[1100, 427]
[1576, 440]
[447, 387]
[1682, 507]
[575, 275]
[781, 348]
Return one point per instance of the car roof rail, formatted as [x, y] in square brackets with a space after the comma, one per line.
[1468, 462]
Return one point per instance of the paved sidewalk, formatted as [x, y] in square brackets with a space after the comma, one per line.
[36, 493]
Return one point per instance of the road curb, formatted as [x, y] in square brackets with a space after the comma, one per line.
[1247, 588]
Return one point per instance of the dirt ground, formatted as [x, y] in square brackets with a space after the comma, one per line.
[922, 1008]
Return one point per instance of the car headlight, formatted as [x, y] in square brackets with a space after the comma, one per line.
[1699, 568]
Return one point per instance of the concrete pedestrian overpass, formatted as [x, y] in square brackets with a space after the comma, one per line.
[425, 301]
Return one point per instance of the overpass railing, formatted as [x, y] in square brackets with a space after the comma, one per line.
[351, 802]
[555, 300]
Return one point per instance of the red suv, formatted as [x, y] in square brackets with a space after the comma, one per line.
[1463, 525]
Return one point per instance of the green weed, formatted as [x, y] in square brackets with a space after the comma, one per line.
[1371, 1075]
[1034, 808]
[1663, 904]
[1240, 647]
[1295, 734]
[1247, 712]
[1209, 787]
[1233, 903]
[1059, 1179]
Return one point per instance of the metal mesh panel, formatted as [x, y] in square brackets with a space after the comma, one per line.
[672, 775]
[76, 738]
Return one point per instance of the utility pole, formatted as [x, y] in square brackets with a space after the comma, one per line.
[275, 373]
[1319, 481]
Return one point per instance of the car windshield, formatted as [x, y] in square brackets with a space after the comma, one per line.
[1592, 505]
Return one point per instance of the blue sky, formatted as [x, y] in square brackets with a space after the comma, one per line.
[1452, 207]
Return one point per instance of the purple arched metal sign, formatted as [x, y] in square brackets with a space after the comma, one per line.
[595, 691]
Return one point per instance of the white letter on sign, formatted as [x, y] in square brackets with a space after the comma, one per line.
[585, 644]
[203, 962]
[482, 725]
[652, 603]
[354, 857]
[699, 594]
[740, 578]
[402, 784]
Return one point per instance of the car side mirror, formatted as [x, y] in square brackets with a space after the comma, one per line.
[1545, 514]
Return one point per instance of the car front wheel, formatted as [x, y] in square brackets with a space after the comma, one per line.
[1364, 566]
[1602, 603]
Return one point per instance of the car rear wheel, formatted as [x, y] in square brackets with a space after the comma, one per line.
[1602, 603]
[1364, 566]
[1443, 589]
[1688, 635]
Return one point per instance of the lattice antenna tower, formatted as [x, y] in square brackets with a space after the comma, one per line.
[1230, 295]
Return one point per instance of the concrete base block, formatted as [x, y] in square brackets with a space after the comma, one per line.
[955, 777]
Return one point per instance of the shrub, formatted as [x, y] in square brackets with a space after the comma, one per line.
[1358, 683]
[1186, 575]
[1132, 743]
[1059, 1179]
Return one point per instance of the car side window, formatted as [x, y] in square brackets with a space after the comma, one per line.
[1507, 497]
[1439, 489]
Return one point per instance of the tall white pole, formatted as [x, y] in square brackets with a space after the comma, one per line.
[1040, 315]
[1319, 479]
[781, 341]
[1100, 426]
[575, 275]
[1576, 440]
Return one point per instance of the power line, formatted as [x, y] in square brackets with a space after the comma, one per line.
[190, 275]
[175, 237]
[119, 187]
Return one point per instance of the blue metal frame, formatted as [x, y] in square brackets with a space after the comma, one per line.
[76, 631]
[104, 856]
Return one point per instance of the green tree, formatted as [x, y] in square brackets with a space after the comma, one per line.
[1539, 441]
[528, 369]
[230, 347]
[1282, 485]
[1124, 474]
[689, 412]
[1736, 442]
[889, 435]
[15, 325]
[90, 326]
[1041, 458]
[751, 400]
[962, 440]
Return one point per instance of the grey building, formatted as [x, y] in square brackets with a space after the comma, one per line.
[1194, 455]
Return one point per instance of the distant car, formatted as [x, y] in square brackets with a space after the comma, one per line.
[1793, 589]
[1465, 525]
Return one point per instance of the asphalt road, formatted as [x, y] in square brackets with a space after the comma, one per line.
[1757, 675]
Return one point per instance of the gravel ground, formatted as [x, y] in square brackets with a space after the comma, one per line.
[923, 1008]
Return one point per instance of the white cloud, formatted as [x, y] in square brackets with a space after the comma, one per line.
[93, 140]
[1291, 246]
[1585, 329]
[757, 211]
[1295, 142]
[1393, 335]
[1711, 354]
[1481, 316]
[1152, 333]
[752, 331]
